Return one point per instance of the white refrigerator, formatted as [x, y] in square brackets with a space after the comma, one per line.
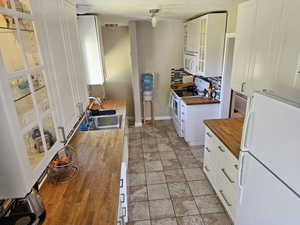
[269, 175]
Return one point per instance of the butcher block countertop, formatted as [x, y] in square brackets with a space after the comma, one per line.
[229, 131]
[199, 101]
[92, 197]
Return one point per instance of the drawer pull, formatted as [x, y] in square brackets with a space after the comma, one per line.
[221, 149]
[121, 183]
[227, 176]
[236, 166]
[206, 168]
[208, 134]
[122, 198]
[207, 149]
[124, 211]
[121, 221]
[225, 199]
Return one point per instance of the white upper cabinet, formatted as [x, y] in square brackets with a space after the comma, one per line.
[243, 46]
[92, 49]
[29, 138]
[192, 36]
[40, 88]
[211, 44]
[204, 44]
[288, 65]
[267, 47]
[63, 48]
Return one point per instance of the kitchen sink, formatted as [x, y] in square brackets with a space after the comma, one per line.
[107, 122]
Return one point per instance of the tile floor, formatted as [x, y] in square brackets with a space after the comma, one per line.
[166, 183]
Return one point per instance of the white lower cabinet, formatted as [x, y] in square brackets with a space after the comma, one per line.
[192, 117]
[221, 169]
[123, 201]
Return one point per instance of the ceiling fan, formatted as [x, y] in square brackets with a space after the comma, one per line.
[153, 14]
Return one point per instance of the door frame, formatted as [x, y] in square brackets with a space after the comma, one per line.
[226, 75]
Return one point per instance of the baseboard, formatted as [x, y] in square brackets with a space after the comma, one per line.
[160, 118]
[138, 124]
[195, 143]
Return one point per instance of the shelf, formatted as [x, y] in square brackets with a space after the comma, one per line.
[14, 29]
[24, 96]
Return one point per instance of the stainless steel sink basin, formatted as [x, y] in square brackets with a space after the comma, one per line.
[107, 122]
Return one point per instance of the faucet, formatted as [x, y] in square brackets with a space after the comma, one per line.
[98, 101]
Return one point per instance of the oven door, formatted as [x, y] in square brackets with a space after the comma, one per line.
[176, 108]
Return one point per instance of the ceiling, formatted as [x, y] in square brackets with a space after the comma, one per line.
[169, 9]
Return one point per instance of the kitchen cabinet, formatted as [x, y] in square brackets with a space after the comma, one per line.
[65, 58]
[123, 200]
[192, 35]
[267, 51]
[192, 117]
[74, 56]
[287, 73]
[243, 47]
[28, 111]
[204, 44]
[40, 89]
[211, 44]
[221, 169]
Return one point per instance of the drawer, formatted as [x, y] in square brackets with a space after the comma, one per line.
[228, 194]
[210, 171]
[227, 161]
[209, 138]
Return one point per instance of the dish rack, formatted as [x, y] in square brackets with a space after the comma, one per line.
[63, 167]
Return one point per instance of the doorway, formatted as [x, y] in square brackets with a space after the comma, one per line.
[226, 78]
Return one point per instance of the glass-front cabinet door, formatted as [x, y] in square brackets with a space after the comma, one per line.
[24, 76]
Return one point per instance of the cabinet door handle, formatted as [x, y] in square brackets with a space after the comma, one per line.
[207, 149]
[208, 134]
[121, 183]
[121, 221]
[63, 135]
[225, 199]
[227, 176]
[243, 87]
[122, 198]
[124, 211]
[221, 149]
[206, 168]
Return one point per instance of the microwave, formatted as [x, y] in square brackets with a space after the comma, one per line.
[191, 62]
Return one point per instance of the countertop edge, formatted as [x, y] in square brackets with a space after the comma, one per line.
[224, 141]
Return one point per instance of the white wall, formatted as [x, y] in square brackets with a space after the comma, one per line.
[118, 67]
[231, 20]
[159, 50]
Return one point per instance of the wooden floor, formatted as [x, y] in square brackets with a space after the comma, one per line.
[92, 197]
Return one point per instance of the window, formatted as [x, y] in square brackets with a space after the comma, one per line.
[23, 71]
[91, 43]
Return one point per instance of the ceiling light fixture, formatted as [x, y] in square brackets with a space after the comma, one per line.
[153, 13]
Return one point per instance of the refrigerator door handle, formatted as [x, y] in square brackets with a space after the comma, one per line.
[244, 144]
[246, 138]
[241, 168]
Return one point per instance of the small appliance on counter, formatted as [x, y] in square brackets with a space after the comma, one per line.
[27, 211]
[187, 79]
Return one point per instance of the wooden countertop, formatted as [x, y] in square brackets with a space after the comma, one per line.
[91, 198]
[199, 101]
[229, 131]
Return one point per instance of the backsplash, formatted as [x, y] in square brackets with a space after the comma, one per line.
[216, 82]
[177, 74]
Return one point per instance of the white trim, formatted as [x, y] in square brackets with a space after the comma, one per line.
[230, 35]
[195, 143]
[138, 124]
[160, 118]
